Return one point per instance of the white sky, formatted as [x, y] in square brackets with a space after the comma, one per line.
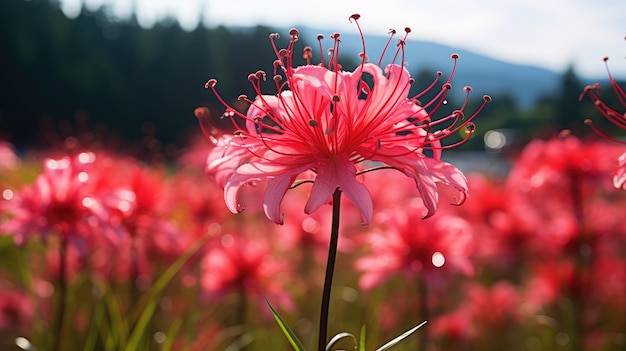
[545, 33]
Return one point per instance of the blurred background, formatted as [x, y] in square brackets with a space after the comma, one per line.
[130, 72]
[534, 260]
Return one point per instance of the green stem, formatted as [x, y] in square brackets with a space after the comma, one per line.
[330, 269]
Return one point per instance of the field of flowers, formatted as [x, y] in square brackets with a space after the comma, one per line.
[100, 250]
[535, 261]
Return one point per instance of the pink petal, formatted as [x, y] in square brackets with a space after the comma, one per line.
[427, 172]
[276, 189]
[263, 170]
[340, 173]
[619, 179]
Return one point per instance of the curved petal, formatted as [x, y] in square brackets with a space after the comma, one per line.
[275, 192]
[427, 172]
[262, 170]
[619, 179]
[340, 173]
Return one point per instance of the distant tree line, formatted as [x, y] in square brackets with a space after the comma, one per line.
[116, 78]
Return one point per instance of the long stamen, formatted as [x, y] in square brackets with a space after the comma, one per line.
[319, 41]
[392, 32]
[363, 54]
[621, 95]
[601, 134]
[204, 118]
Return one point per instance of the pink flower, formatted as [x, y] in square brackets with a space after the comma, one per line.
[432, 249]
[552, 188]
[64, 200]
[330, 127]
[16, 310]
[245, 264]
[615, 117]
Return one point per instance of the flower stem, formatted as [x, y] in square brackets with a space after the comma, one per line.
[330, 269]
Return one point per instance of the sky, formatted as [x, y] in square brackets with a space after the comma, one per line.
[547, 33]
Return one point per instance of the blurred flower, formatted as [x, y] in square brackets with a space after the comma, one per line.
[493, 307]
[403, 244]
[16, 310]
[552, 186]
[65, 200]
[8, 159]
[455, 326]
[329, 125]
[245, 264]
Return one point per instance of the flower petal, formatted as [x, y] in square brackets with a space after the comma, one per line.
[340, 173]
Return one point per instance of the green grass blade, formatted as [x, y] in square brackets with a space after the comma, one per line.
[400, 338]
[362, 339]
[150, 300]
[291, 336]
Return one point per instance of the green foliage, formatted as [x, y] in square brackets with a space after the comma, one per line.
[291, 336]
[360, 344]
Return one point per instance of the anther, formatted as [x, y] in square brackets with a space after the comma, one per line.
[487, 98]
[470, 128]
[407, 29]
[307, 53]
[355, 17]
[210, 84]
[252, 77]
[565, 133]
[363, 56]
[320, 36]
[335, 98]
[446, 86]
[294, 33]
[242, 97]
[313, 123]
[454, 56]
[335, 35]
[605, 58]
[260, 74]
[588, 122]
[391, 31]
[201, 112]
[467, 88]
[278, 78]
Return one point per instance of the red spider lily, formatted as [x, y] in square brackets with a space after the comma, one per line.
[406, 245]
[330, 126]
[553, 184]
[245, 265]
[65, 200]
[139, 205]
[16, 310]
[615, 117]
[494, 307]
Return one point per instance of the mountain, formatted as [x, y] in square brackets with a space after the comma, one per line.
[486, 75]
